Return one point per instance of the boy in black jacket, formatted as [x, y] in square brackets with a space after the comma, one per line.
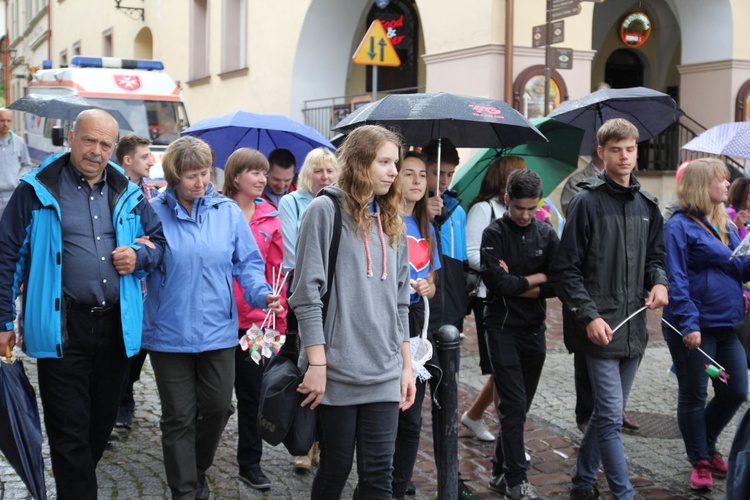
[516, 254]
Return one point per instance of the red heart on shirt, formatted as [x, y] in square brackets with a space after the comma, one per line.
[419, 253]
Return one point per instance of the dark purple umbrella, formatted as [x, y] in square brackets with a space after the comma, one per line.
[649, 110]
[20, 427]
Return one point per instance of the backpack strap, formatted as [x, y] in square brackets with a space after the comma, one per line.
[333, 251]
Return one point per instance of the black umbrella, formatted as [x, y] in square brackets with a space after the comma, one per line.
[649, 110]
[20, 427]
[63, 107]
[471, 122]
[468, 121]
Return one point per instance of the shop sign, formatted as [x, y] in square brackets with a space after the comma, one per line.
[635, 29]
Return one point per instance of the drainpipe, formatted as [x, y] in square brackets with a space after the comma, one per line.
[49, 30]
[509, 51]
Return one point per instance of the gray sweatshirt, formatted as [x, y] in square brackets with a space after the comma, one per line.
[367, 318]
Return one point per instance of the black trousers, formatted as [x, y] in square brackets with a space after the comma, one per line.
[517, 359]
[80, 394]
[371, 429]
[247, 379]
[135, 365]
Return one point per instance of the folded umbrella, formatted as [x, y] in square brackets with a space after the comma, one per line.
[264, 132]
[63, 107]
[20, 427]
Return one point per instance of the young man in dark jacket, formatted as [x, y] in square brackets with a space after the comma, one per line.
[609, 266]
[516, 254]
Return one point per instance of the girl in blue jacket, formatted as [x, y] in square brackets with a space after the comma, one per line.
[705, 302]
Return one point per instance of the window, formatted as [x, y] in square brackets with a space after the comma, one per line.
[742, 107]
[401, 23]
[77, 48]
[234, 35]
[528, 91]
[64, 59]
[199, 40]
[14, 19]
[107, 50]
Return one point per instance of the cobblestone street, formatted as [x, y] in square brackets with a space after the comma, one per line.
[132, 468]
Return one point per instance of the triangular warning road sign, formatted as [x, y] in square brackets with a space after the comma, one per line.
[376, 48]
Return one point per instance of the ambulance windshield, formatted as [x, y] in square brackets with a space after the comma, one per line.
[160, 121]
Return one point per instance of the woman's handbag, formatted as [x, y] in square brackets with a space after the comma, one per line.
[279, 399]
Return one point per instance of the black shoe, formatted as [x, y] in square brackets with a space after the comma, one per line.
[464, 493]
[124, 417]
[497, 484]
[255, 479]
[591, 493]
[410, 489]
[202, 490]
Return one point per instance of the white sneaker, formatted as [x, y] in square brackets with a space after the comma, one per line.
[478, 427]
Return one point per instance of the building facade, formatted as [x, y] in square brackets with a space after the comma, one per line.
[294, 57]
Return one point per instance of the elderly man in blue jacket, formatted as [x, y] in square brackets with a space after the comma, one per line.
[71, 235]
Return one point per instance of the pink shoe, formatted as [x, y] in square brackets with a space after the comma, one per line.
[718, 466]
[700, 477]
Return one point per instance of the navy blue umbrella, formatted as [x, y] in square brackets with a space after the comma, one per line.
[649, 110]
[20, 427]
[241, 129]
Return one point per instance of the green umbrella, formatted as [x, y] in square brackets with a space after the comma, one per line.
[553, 160]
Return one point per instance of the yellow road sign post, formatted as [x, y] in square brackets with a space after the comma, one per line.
[375, 50]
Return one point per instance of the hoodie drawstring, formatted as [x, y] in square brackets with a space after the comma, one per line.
[382, 246]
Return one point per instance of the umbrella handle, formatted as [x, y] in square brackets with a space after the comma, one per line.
[8, 355]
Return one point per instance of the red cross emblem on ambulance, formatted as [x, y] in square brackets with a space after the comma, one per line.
[128, 82]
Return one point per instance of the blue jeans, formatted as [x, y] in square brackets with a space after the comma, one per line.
[372, 428]
[701, 423]
[611, 381]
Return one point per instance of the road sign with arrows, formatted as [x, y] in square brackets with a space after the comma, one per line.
[376, 48]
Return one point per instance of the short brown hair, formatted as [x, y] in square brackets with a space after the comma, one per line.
[127, 145]
[238, 162]
[617, 129]
[185, 154]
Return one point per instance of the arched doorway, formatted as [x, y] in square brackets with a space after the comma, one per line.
[143, 46]
[400, 20]
[624, 68]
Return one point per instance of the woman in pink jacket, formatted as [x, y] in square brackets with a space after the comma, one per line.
[244, 180]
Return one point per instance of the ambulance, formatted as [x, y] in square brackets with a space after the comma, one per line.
[147, 97]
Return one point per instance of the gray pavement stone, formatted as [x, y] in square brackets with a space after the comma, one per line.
[133, 468]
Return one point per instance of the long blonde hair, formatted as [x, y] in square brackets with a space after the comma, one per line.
[355, 158]
[692, 193]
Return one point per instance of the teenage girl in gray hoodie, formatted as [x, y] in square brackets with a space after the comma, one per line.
[357, 363]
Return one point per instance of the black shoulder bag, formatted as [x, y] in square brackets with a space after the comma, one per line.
[281, 419]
